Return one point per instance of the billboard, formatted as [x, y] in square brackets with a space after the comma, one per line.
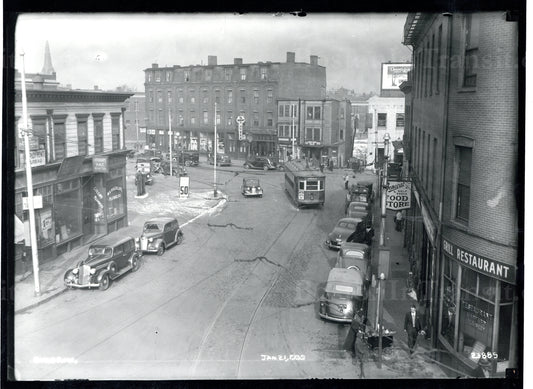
[393, 74]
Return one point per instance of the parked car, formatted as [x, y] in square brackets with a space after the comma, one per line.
[358, 212]
[107, 260]
[222, 160]
[159, 234]
[342, 230]
[156, 164]
[187, 158]
[355, 256]
[251, 187]
[176, 169]
[256, 162]
[345, 294]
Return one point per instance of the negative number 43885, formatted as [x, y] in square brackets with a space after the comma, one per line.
[488, 355]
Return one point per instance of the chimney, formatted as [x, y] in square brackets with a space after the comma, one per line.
[211, 60]
[237, 61]
[38, 82]
[154, 65]
[291, 57]
[69, 86]
[96, 87]
[314, 60]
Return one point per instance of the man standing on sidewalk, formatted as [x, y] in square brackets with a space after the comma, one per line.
[412, 326]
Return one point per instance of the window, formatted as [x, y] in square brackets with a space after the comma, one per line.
[256, 97]
[256, 119]
[270, 119]
[431, 64]
[115, 200]
[314, 113]
[463, 157]
[230, 118]
[439, 64]
[169, 96]
[427, 65]
[180, 96]
[60, 141]
[38, 135]
[230, 96]
[180, 119]
[168, 76]
[218, 117]
[217, 96]
[160, 120]
[205, 98]
[312, 134]
[342, 113]
[157, 77]
[270, 96]
[341, 134]
[193, 119]
[434, 171]
[471, 29]
[186, 75]
[159, 96]
[206, 117]
[382, 120]
[284, 130]
[82, 134]
[400, 120]
[192, 97]
[115, 131]
[208, 74]
[243, 96]
[227, 73]
[243, 74]
[151, 96]
[263, 73]
[67, 210]
[149, 76]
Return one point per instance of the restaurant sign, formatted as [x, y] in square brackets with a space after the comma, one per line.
[489, 267]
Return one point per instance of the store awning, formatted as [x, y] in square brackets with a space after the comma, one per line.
[19, 230]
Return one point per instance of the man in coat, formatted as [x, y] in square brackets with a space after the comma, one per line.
[412, 326]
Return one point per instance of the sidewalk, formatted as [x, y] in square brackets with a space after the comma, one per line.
[139, 209]
[396, 303]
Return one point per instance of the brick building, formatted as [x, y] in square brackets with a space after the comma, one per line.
[322, 129]
[77, 148]
[462, 156]
[189, 93]
[135, 121]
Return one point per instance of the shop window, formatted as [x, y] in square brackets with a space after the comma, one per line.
[476, 318]
[448, 310]
[43, 216]
[67, 210]
[115, 199]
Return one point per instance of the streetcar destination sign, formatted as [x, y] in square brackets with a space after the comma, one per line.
[399, 195]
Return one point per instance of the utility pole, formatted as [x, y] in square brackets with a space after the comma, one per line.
[293, 131]
[137, 123]
[215, 144]
[170, 141]
[29, 184]
[386, 140]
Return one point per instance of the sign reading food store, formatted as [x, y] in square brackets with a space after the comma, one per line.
[399, 195]
[490, 267]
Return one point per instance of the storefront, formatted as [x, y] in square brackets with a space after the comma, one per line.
[81, 198]
[478, 311]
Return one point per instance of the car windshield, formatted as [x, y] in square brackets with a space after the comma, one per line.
[354, 254]
[100, 250]
[348, 226]
[251, 182]
[152, 227]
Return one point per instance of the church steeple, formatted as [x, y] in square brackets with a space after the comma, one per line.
[47, 68]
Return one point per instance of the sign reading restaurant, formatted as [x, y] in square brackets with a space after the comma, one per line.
[489, 267]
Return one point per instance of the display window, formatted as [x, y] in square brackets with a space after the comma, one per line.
[67, 210]
[115, 198]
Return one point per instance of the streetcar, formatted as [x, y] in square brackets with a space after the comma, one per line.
[305, 184]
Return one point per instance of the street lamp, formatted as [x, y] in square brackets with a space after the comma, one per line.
[380, 318]
[386, 141]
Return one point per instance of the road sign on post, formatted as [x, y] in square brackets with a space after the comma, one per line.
[240, 121]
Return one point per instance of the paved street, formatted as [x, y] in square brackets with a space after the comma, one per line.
[240, 291]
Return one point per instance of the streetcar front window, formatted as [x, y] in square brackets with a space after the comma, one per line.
[312, 184]
[302, 185]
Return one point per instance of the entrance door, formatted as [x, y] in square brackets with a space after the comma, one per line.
[88, 205]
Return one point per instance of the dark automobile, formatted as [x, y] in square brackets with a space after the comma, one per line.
[342, 230]
[344, 296]
[222, 160]
[187, 158]
[355, 256]
[360, 213]
[159, 234]
[251, 187]
[165, 169]
[263, 163]
[108, 259]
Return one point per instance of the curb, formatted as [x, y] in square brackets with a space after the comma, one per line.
[34, 305]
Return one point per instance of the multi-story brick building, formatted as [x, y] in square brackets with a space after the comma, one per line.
[77, 148]
[322, 129]
[189, 94]
[463, 150]
[135, 121]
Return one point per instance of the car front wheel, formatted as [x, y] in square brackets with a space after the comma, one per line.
[265, 168]
[187, 163]
[246, 166]
[135, 263]
[179, 239]
[161, 249]
[104, 282]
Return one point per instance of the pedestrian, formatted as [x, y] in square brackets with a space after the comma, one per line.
[350, 344]
[412, 326]
[138, 182]
[369, 233]
[346, 181]
[398, 219]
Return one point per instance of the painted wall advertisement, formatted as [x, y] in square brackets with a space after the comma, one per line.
[399, 195]
[393, 74]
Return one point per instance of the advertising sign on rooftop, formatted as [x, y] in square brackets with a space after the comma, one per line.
[393, 74]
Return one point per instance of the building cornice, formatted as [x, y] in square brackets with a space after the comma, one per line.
[71, 96]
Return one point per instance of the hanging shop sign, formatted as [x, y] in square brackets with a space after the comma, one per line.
[100, 164]
[37, 202]
[37, 158]
[479, 263]
[399, 195]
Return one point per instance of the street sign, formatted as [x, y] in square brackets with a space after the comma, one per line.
[37, 202]
[184, 187]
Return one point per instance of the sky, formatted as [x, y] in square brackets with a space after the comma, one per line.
[110, 50]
